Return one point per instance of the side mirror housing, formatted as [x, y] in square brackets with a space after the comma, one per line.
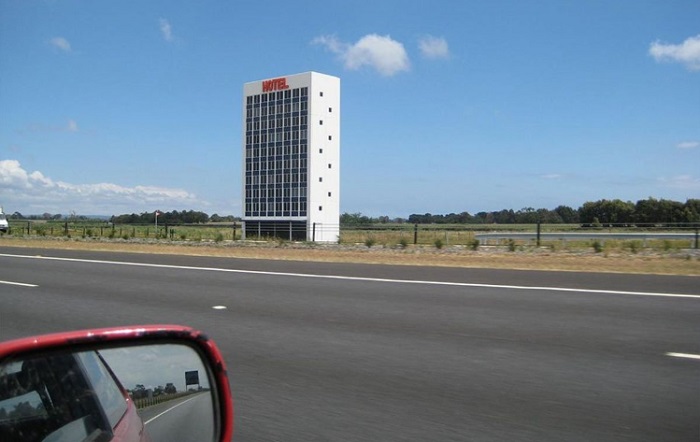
[141, 383]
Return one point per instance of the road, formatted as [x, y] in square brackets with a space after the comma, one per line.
[320, 352]
[188, 419]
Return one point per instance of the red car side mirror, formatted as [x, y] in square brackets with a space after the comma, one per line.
[143, 383]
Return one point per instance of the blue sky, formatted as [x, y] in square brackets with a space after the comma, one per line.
[132, 106]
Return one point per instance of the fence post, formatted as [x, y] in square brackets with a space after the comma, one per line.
[539, 232]
[313, 234]
[234, 232]
[697, 238]
[415, 234]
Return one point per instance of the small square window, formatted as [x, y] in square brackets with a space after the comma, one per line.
[329, 194]
[330, 137]
[320, 122]
[320, 208]
[330, 109]
[320, 94]
[320, 151]
[320, 179]
[329, 165]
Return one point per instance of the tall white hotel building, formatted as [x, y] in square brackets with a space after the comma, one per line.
[291, 157]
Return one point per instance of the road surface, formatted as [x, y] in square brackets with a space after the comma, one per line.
[320, 352]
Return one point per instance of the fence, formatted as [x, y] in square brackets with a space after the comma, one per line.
[660, 235]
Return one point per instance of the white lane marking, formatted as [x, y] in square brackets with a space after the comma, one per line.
[219, 307]
[21, 284]
[361, 278]
[168, 410]
[683, 355]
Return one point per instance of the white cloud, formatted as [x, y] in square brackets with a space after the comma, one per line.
[683, 182]
[688, 145]
[386, 56]
[434, 47]
[24, 189]
[60, 43]
[551, 176]
[70, 126]
[687, 53]
[166, 29]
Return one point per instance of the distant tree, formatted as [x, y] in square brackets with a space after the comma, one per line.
[170, 388]
[652, 210]
[354, 219]
[607, 212]
[568, 215]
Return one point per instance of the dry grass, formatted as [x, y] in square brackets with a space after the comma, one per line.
[683, 262]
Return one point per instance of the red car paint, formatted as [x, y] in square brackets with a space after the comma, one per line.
[127, 428]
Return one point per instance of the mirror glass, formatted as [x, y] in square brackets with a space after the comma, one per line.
[84, 396]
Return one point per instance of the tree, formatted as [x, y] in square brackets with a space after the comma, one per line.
[607, 212]
[568, 215]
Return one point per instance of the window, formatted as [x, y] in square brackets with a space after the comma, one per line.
[330, 109]
[329, 194]
[330, 137]
[329, 165]
[320, 151]
[320, 179]
[320, 94]
[320, 208]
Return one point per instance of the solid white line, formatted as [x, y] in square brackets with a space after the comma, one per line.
[21, 284]
[683, 355]
[166, 411]
[361, 278]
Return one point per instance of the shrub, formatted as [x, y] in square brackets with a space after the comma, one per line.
[369, 242]
[403, 243]
[219, 237]
[634, 246]
[474, 244]
[438, 243]
[597, 246]
[511, 245]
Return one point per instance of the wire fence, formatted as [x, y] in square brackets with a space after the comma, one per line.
[637, 236]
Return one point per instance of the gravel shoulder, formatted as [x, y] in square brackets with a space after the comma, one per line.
[679, 262]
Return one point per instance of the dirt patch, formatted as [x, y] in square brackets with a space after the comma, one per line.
[680, 262]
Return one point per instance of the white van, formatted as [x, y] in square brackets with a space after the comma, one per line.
[4, 226]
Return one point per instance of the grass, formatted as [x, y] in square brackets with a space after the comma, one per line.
[617, 256]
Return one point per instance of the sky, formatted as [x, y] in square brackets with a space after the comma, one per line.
[132, 106]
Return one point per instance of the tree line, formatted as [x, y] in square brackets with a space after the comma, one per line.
[599, 212]
[173, 217]
[594, 213]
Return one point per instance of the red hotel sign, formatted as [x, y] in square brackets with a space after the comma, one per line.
[277, 84]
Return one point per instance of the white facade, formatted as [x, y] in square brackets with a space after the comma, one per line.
[291, 157]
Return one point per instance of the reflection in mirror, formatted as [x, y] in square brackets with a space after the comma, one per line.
[137, 393]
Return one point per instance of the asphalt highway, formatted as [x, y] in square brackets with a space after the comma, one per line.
[337, 352]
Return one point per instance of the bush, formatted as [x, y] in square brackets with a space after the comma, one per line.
[634, 246]
[438, 243]
[474, 244]
[403, 243]
[511, 245]
[597, 246]
[369, 242]
[219, 237]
